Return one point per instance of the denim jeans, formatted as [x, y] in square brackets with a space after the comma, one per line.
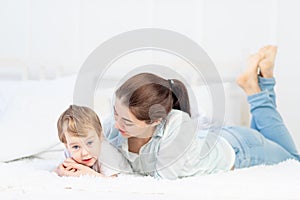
[268, 141]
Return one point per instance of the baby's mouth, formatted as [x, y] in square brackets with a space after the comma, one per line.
[87, 160]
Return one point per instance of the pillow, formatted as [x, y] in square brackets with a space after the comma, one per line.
[29, 111]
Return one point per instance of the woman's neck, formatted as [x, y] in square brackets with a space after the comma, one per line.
[135, 144]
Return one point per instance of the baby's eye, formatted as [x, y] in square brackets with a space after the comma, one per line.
[75, 147]
[90, 143]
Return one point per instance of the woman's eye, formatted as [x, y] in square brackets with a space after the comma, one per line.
[129, 125]
[90, 143]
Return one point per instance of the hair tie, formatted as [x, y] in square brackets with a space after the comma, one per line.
[171, 83]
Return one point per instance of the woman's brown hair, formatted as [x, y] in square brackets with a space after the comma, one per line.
[150, 97]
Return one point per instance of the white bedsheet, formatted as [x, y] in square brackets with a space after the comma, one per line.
[22, 105]
[33, 179]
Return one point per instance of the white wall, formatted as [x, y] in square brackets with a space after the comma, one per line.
[55, 34]
[287, 68]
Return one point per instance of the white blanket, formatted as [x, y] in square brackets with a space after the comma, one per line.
[33, 179]
[33, 108]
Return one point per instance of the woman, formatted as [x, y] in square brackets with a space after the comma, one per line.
[154, 131]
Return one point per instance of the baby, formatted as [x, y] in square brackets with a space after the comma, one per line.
[87, 151]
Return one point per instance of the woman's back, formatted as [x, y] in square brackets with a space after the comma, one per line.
[176, 149]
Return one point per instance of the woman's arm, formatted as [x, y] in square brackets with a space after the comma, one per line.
[175, 146]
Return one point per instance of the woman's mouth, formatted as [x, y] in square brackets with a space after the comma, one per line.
[123, 133]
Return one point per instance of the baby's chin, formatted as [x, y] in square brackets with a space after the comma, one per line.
[91, 164]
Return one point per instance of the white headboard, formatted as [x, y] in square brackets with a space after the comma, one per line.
[18, 69]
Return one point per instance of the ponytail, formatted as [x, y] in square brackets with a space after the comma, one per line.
[150, 97]
[180, 96]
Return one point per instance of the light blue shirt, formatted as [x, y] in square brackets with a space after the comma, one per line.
[177, 149]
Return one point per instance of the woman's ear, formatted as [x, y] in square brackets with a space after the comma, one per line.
[156, 122]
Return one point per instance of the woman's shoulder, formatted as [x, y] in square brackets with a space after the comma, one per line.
[178, 122]
[177, 116]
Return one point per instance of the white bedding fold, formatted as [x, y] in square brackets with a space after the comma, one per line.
[33, 179]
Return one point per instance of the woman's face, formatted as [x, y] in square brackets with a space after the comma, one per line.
[128, 124]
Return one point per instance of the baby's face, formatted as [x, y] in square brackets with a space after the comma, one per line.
[84, 150]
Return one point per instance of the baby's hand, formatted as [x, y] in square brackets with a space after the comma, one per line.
[72, 168]
[83, 170]
[66, 169]
[68, 164]
[62, 171]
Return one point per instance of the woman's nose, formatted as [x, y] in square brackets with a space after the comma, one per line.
[118, 124]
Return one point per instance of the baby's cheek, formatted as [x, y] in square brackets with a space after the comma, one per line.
[75, 157]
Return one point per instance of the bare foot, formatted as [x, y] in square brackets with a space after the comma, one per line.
[248, 81]
[266, 65]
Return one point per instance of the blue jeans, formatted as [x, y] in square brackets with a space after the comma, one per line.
[268, 141]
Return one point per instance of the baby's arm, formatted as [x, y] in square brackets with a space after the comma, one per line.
[71, 168]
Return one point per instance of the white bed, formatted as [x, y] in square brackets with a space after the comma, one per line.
[28, 114]
[33, 179]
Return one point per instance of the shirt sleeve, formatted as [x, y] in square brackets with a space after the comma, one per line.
[110, 133]
[179, 134]
[67, 153]
[112, 161]
[64, 156]
[187, 150]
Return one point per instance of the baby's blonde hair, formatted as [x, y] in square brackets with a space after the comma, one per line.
[77, 121]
